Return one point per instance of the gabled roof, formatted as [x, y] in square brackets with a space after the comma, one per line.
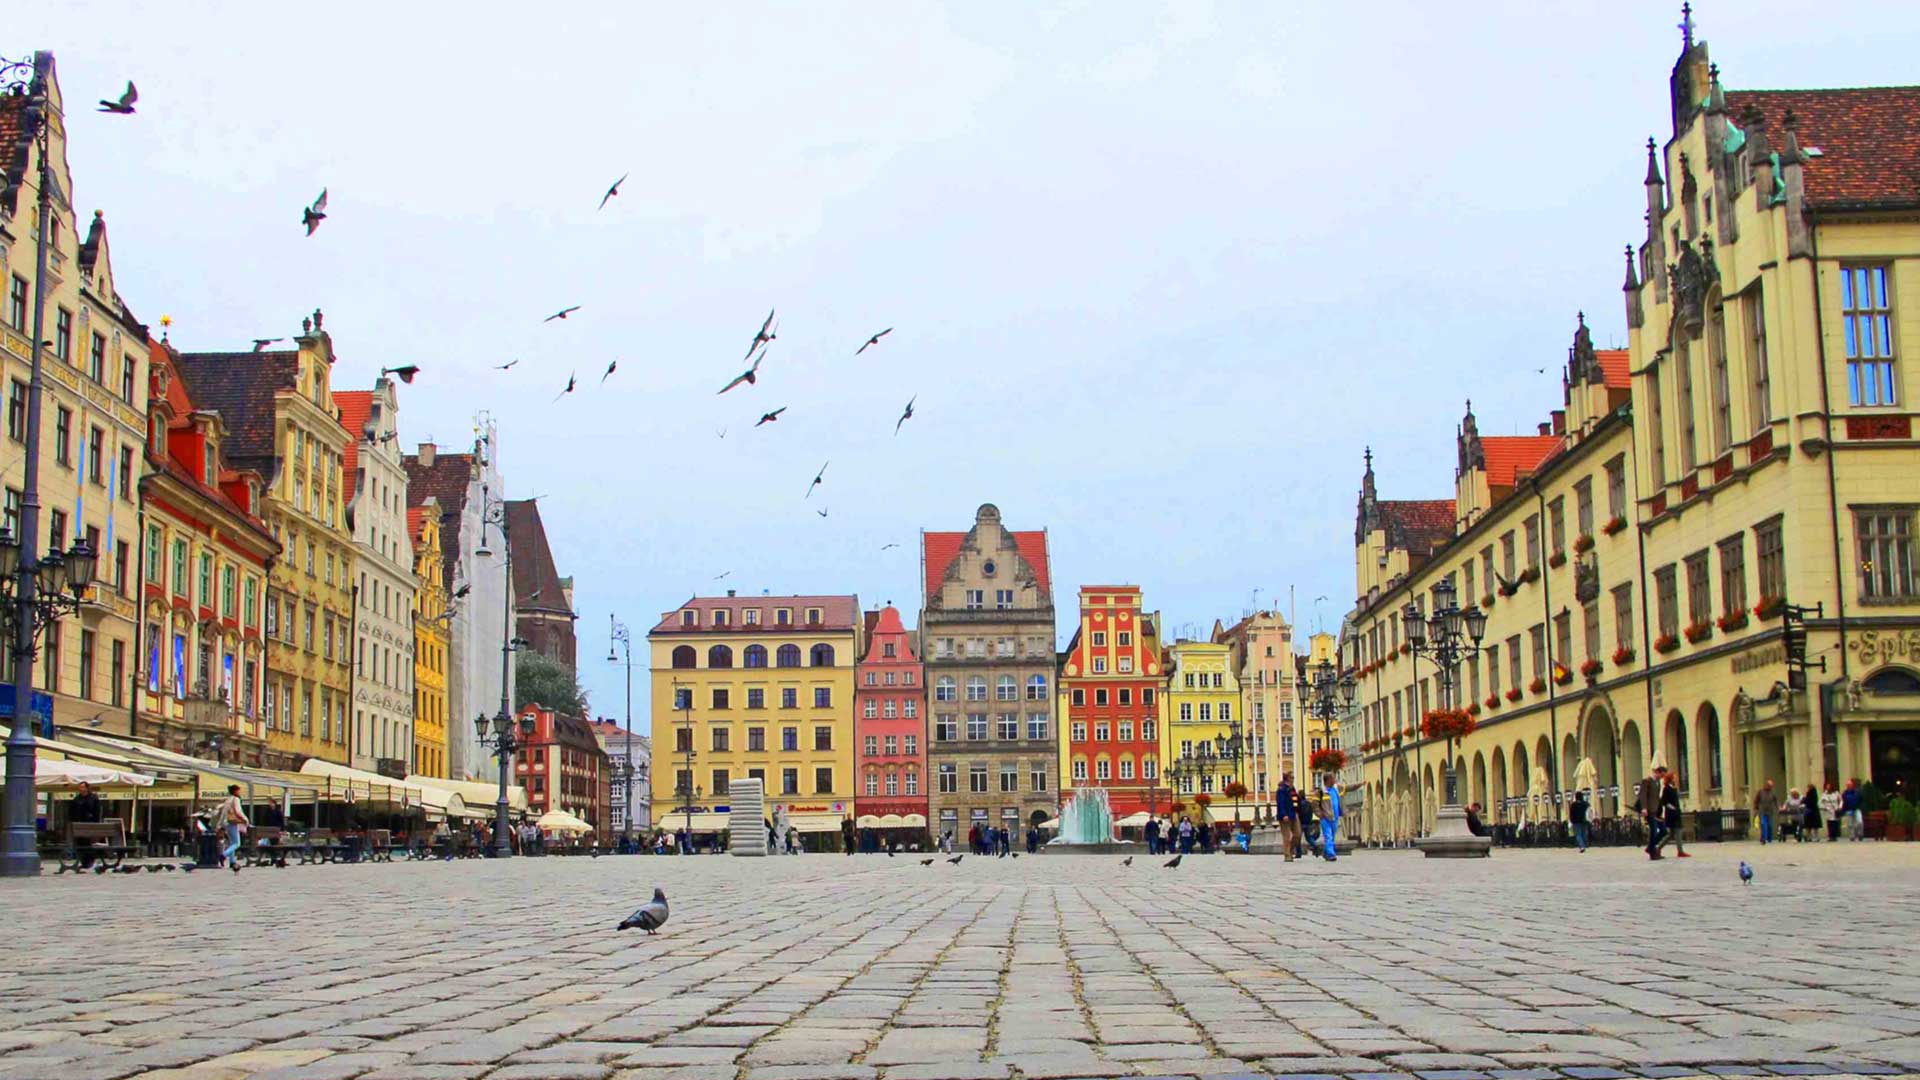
[240, 386]
[887, 621]
[1510, 457]
[179, 398]
[446, 480]
[939, 549]
[13, 142]
[1868, 137]
[356, 406]
[416, 522]
[537, 585]
[1616, 369]
[836, 613]
[1417, 525]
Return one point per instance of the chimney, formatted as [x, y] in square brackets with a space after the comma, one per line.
[730, 593]
[1545, 429]
[426, 455]
[1559, 421]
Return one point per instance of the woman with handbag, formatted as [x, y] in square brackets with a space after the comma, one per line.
[233, 817]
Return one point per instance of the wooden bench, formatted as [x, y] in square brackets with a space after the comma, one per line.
[265, 845]
[103, 842]
[318, 847]
[379, 845]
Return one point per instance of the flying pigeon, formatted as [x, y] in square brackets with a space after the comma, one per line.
[751, 375]
[956, 860]
[611, 192]
[260, 343]
[822, 511]
[124, 106]
[1746, 873]
[874, 340]
[884, 547]
[763, 336]
[651, 916]
[1173, 862]
[818, 479]
[717, 577]
[907, 415]
[926, 862]
[561, 314]
[768, 418]
[462, 591]
[505, 366]
[313, 215]
[1128, 861]
[568, 390]
[609, 371]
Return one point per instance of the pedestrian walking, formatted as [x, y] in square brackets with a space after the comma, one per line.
[1793, 814]
[233, 817]
[1288, 816]
[84, 809]
[1830, 809]
[1186, 836]
[1309, 820]
[1765, 804]
[1670, 818]
[1853, 810]
[1646, 802]
[1153, 836]
[846, 835]
[1577, 817]
[1329, 816]
[1810, 814]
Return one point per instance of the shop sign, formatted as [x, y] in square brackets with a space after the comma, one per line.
[1880, 647]
[1755, 659]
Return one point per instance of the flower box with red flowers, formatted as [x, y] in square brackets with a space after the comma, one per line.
[1769, 607]
[1591, 669]
[1529, 575]
[1557, 560]
[1405, 648]
[1513, 694]
[1537, 686]
[1582, 544]
[1699, 632]
[1622, 657]
[1327, 759]
[1492, 702]
[1486, 600]
[1665, 643]
[1614, 527]
[1447, 723]
[1178, 808]
[1562, 676]
[1474, 709]
[1731, 621]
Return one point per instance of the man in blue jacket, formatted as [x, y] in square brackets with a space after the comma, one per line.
[1330, 816]
[1288, 815]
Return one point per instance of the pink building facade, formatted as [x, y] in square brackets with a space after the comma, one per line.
[890, 732]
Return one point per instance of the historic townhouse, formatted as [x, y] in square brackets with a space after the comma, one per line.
[432, 612]
[890, 731]
[203, 585]
[279, 419]
[987, 635]
[757, 687]
[93, 418]
[383, 581]
[563, 767]
[1262, 654]
[1207, 743]
[1110, 689]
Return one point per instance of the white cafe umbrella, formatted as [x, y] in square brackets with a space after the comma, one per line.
[58, 774]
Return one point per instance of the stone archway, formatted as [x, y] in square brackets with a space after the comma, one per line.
[1633, 762]
[1710, 747]
[1677, 751]
[1479, 791]
[1523, 782]
[1429, 801]
[1498, 792]
[1600, 746]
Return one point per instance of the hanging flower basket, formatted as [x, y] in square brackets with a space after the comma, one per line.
[1622, 657]
[1327, 759]
[1177, 808]
[1699, 632]
[1582, 544]
[1203, 800]
[1447, 723]
[1236, 790]
[1613, 528]
[1665, 643]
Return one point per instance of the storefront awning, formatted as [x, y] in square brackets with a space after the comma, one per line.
[702, 823]
[914, 821]
[474, 792]
[869, 821]
[1243, 812]
[815, 823]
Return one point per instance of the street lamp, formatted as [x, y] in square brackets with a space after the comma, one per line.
[494, 512]
[499, 735]
[625, 641]
[1447, 637]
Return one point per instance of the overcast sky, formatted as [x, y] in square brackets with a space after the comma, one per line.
[1157, 273]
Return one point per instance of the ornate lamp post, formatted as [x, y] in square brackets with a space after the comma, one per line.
[1447, 637]
[493, 512]
[625, 641]
[1329, 694]
[502, 739]
[1233, 748]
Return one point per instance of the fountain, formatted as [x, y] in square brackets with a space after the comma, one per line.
[1086, 827]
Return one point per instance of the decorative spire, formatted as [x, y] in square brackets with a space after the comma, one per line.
[1653, 163]
[1633, 280]
[1686, 27]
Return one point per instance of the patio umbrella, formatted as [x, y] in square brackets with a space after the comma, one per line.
[560, 821]
[59, 774]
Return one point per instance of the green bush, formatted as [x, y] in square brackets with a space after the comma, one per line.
[1872, 798]
[1902, 812]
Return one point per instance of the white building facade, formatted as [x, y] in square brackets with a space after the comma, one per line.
[383, 583]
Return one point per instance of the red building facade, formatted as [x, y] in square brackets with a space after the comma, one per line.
[562, 767]
[1110, 686]
[890, 730]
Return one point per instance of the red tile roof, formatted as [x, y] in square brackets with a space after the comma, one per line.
[160, 355]
[446, 480]
[938, 550]
[1616, 368]
[536, 580]
[416, 522]
[836, 613]
[356, 406]
[1868, 137]
[1418, 525]
[240, 386]
[13, 143]
[1510, 457]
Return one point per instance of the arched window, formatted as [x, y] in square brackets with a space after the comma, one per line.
[945, 689]
[1009, 688]
[787, 656]
[720, 656]
[976, 688]
[1892, 681]
[822, 655]
[1677, 756]
[755, 656]
[1036, 688]
[685, 657]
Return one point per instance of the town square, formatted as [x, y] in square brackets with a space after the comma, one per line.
[1163, 538]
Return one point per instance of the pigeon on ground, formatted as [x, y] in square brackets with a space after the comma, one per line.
[154, 868]
[956, 859]
[1746, 873]
[189, 867]
[612, 191]
[874, 340]
[651, 916]
[99, 868]
[313, 215]
[1128, 861]
[926, 862]
[1016, 854]
[171, 868]
[1173, 862]
[124, 106]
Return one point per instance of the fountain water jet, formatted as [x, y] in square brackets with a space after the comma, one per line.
[1086, 827]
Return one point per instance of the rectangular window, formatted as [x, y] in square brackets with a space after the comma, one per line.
[913, 782]
[756, 698]
[118, 673]
[1557, 525]
[1513, 662]
[789, 738]
[1667, 597]
[1532, 526]
[17, 304]
[756, 739]
[822, 737]
[977, 778]
[721, 739]
[721, 778]
[1656, 429]
[1003, 599]
[1623, 616]
[721, 699]
[1699, 589]
[823, 697]
[789, 781]
[126, 379]
[976, 599]
[1771, 557]
[96, 450]
[63, 334]
[1733, 576]
[57, 530]
[1506, 560]
[1719, 386]
[97, 359]
[1562, 639]
[1886, 551]
[63, 437]
[823, 780]
[789, 697]
[1753, 317]
[1538, 636]
[17, 411]
[949, 780]
[1866, 317]
[88, 642]
[946, 728]
[976, 726]
[1582, 510]
[1683, 404]
[1007, 726]
[1037, 725]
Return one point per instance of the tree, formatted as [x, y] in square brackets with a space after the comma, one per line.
[543, 681]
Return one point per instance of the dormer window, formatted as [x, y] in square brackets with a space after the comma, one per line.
[211, 475]
[689, 617]
[720, 617]
[813, 616]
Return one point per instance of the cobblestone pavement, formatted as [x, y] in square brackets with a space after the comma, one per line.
[1530, 965]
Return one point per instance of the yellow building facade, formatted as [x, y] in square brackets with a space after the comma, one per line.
[281, 421]
[1205, 713]
[432, 615]
[93, 417]
[756, 687]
